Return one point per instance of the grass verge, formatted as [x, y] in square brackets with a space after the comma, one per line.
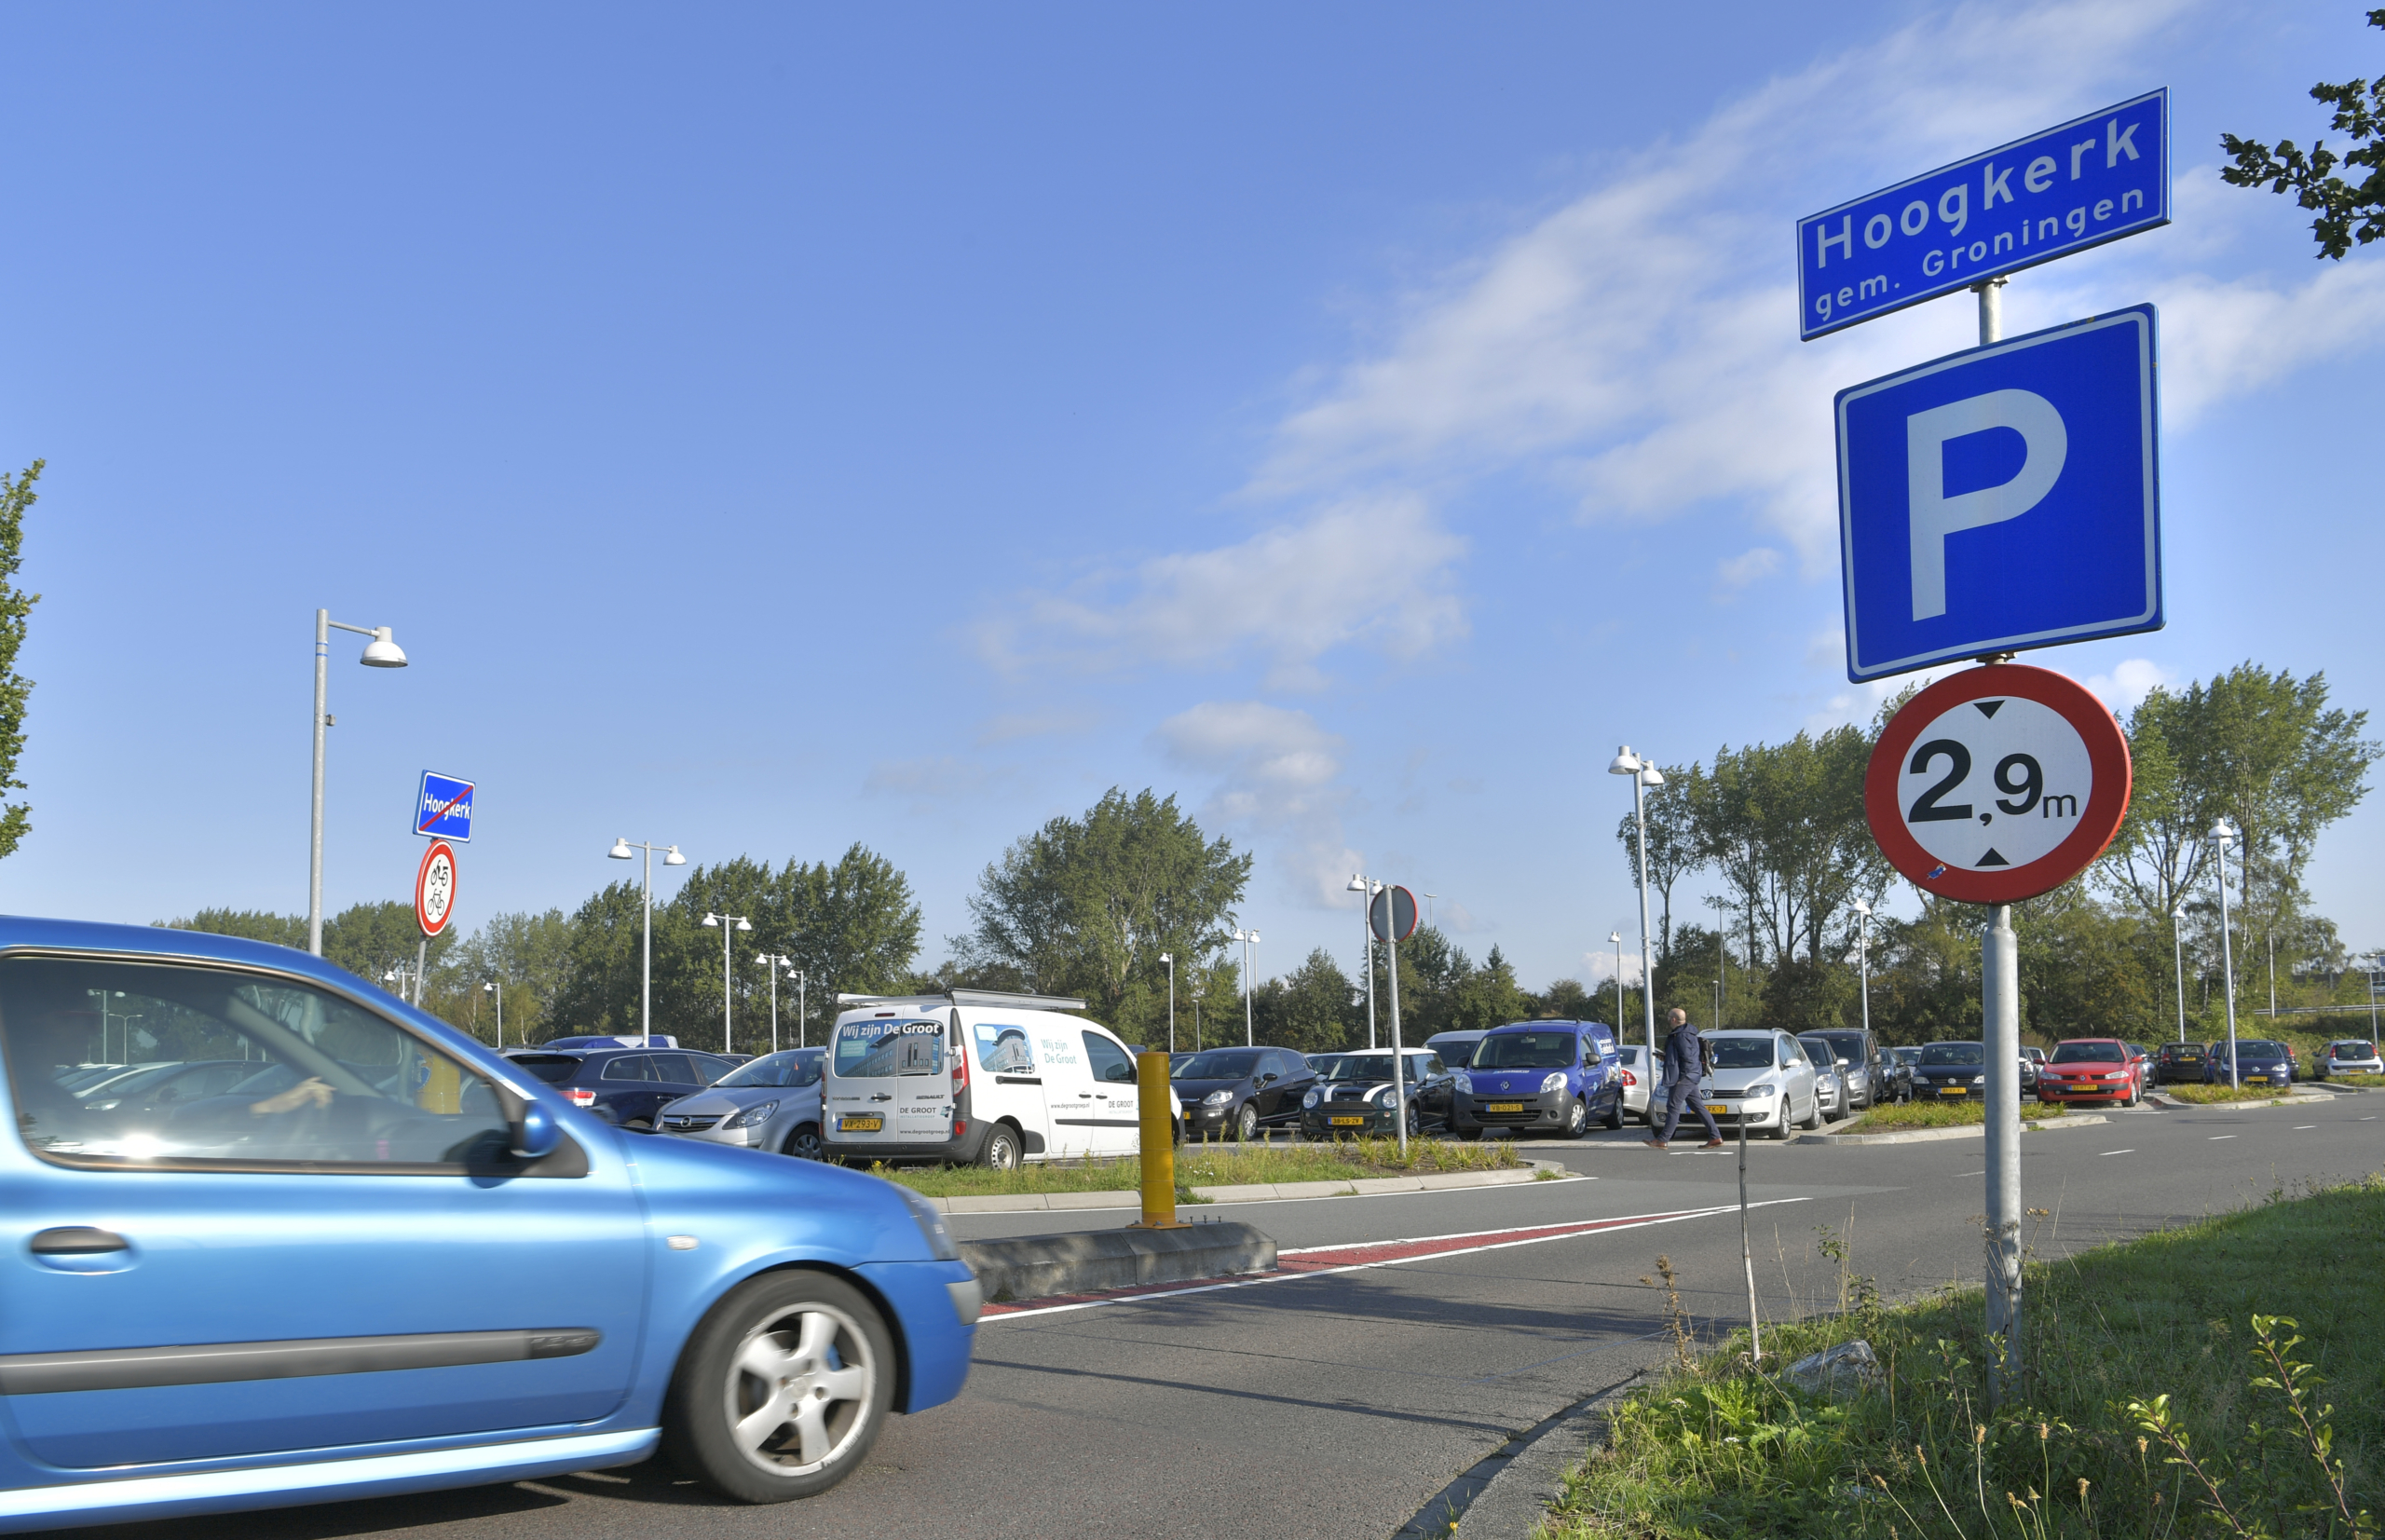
[1213, 1165]
[2371, 1082]
[2206, 1096]
[2162, 1401]
[1893, 1119]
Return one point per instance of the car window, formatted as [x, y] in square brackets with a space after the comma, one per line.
[2355, 1050]
[885, 1045]
[1957, 1053]
[1108, 1061]
[676, 1069]
[1219, 1064]
[1527, 1050]
[1292, 1067]
[554, 1069]
[255, 1069]
[1741, 1052]
[1846, 1045]
[1432, 1065]
[711, 1067]
[1822, 1054]
[790, 1067]
[628, 1066]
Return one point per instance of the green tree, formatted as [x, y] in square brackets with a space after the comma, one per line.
[17, 495]
[1309, 1011]
[2346, 211]
[374, 940]
[1085, 907]
[282, 930]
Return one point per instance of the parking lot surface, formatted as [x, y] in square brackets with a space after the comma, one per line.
[1339, 1403]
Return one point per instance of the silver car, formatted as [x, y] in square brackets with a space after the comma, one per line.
[1638, 1081]
[2349, 1056]
[1765, 1080]
[772, 1103]
[1830, 1079]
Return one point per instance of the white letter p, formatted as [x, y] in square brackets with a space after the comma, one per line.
[1934, 515]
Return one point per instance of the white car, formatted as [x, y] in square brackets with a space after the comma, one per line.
[2350, 1056]
[1639, 1082]
[1829, 1081]
[1763, 1080]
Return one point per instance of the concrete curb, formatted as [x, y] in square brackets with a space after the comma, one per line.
[1021, 1202]
[2295, 1097]
[1923, 1135]
[1036, 1267]
[1515, 1501]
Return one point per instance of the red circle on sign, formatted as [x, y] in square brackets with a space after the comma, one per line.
[2099, 821]
[434, 888]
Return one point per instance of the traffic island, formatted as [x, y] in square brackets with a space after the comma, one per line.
[1034, 1267]
[1965, 1131]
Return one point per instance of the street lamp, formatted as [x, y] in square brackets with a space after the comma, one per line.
[1248, 940]
[1169, 957]
[621, 850]
[1616, 937]
[2178, 956]
[1428, 908]
[721, 920]
[802, 1008]
[772, 962]
[1645, 777]
[380, 652]
[490, 989]
[1373, 889]
[1196, 1020]
[2223, 836]
[1863, 955]
[1365, 890]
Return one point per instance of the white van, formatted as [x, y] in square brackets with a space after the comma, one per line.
[975, 1077]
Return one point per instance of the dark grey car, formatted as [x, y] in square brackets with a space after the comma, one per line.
[772, 1103]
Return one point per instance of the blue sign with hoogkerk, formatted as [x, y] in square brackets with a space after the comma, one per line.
[2094, 179]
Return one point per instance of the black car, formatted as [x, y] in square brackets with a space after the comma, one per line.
[624, 1085]
[1234, 1093]
[1352, 1095]
[2178, 1061]
[1948, 1072]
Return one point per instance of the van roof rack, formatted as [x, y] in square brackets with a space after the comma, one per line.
[969, 997]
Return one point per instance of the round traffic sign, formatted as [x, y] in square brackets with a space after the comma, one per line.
[434, 888]
[1998, 783]
[1392, 913]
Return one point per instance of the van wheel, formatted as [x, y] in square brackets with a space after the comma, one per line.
[1246, 1124]
[781, 1390]
[1577, 1120]
[804, 1143]
[1615, 1113]
[1001, 1153]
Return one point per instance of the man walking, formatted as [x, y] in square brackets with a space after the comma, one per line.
[1685, 1067]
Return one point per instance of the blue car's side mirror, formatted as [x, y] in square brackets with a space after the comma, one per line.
[535, 1133]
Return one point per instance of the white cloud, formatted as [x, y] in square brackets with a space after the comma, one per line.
[1748, 566]
[1278, 777]
[2130, 682]
[1372, 571]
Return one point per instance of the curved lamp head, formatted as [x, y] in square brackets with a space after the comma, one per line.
[1626, 762]
[1616, 938]
[489, 987]
[744, 924]
[620, 851]
[2177, 913]
[381, 653]
[1357, 884]
[1860, 907]
[1651, 777]
[2223, 834]
[1358, 997]
[674, 858]
[1168, 958]
[711, 921]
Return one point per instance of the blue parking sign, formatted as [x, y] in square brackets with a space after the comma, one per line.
[2002, 498]
[443, 808]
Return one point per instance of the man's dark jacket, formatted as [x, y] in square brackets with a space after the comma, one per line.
[1684, 1055]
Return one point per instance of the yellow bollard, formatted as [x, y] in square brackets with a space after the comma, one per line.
[1158, 1145]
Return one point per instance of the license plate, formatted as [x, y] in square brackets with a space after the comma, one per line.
[2257, 1080]
[1716, 1107]
[1950, 1090]
[860, 1125]
[1347, 1123]
[1502, 1106]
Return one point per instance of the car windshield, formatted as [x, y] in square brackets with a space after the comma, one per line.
[1819, 1050]
[2261, 1048]
[554, 1069]
[2088, 1053]
[792, 1067]
[1373, 1066]
[1955, 1053]
[1218, 1064]
[1906, 1055]
[1848, 1045]
[1526, 1051]
[1741, 1052]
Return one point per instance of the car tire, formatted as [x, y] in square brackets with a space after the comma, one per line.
[804, 1143]
[1469, 1135]
[1577, 1120]
[1813, 1113]
[1002, 1151]
[1415, 1122]
[807, 1342]
[1246, 1124]
[1614, 1114]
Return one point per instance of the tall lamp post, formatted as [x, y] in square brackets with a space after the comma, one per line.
[1248, 940]
[802, 1006]
[728, 1042]
[773, 962]
[2223, 837]
[1645, 778]
[2178, 956]
[490, 988]
[1863, 955]
[622, 849]
[380, 652]
[1616, 937]
[1196, 1020]
[1169, 957]
[1367, 948]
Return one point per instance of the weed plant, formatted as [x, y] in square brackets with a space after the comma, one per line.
[1213, 1165]
[1887, 1118]
[2207, 1096]
[2164, 1401]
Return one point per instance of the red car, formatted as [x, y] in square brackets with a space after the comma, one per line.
[2092, 1068]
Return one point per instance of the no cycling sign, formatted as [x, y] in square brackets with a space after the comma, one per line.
[1999, 783]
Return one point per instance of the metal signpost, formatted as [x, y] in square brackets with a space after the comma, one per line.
[2054, 194]
[1391, 916]
[2003, 497]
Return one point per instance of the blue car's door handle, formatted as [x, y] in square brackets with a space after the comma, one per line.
[77, 1240]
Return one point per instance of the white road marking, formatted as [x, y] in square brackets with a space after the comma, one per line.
[2223, 1135]
[2120, 1152]
[2299, 1127]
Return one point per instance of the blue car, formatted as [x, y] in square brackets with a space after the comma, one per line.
[1544, 1077]
[2259, 1061]
[390, 1260]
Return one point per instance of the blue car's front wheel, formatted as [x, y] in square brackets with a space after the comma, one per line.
[782, 1388]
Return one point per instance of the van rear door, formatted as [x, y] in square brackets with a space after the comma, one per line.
[885, 1082]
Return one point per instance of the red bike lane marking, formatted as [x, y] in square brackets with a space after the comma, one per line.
[1323, 1261]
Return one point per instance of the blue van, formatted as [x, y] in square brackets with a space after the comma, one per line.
[1540, 1077]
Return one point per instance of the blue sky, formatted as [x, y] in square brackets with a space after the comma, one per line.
[771, 428]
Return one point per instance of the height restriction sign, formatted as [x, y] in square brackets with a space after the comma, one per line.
[1997, 784]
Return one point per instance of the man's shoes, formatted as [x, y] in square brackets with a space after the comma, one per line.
[1712, 1144]
[1656, 1144]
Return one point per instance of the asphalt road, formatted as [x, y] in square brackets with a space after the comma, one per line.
[1341, 1403]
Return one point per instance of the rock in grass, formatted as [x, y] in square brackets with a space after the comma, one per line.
[1847, 1369]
